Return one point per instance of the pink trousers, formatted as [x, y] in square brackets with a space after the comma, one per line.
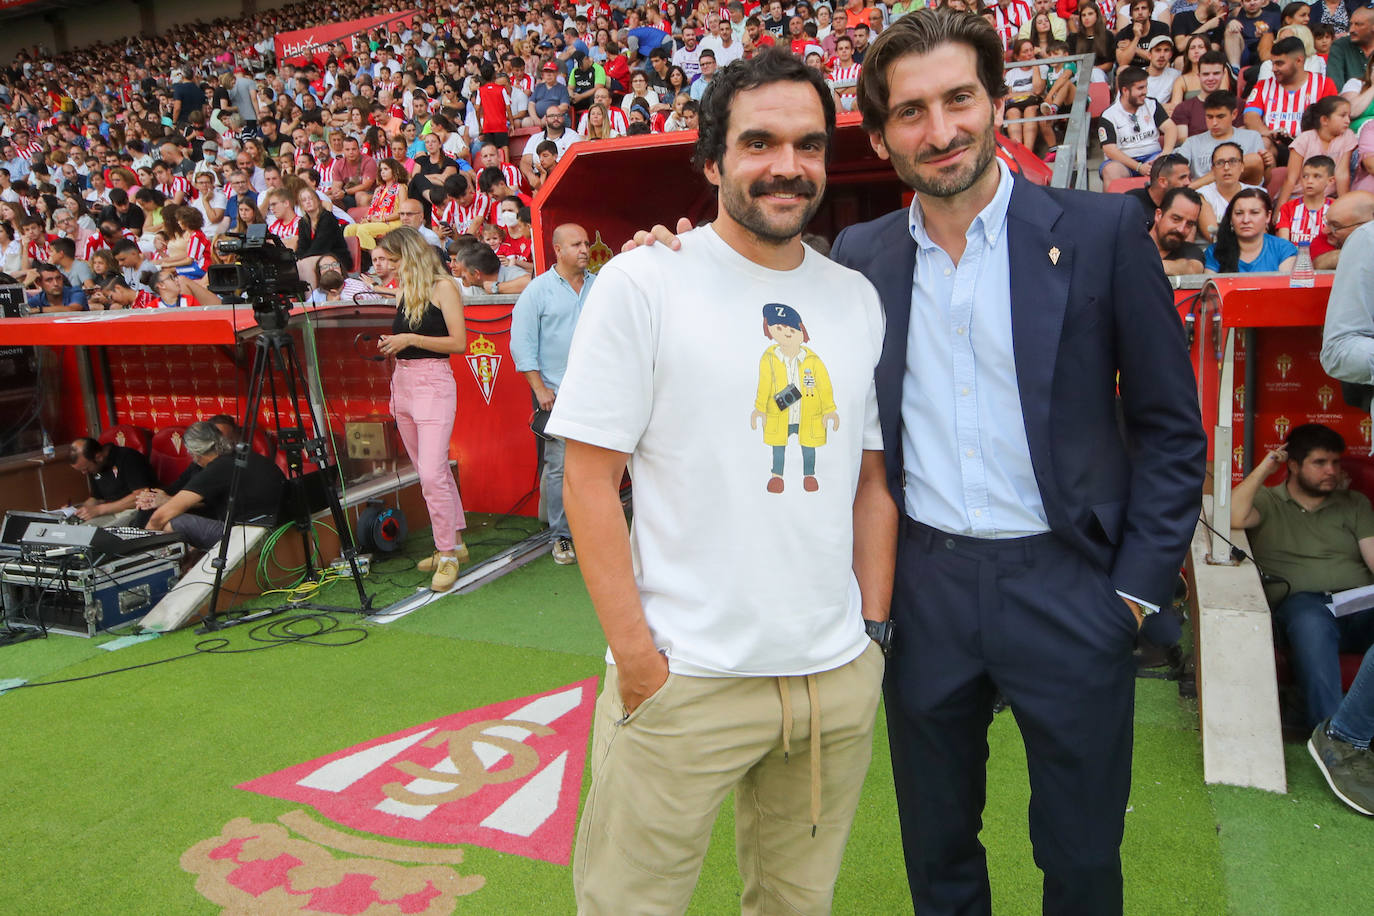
[424, 400]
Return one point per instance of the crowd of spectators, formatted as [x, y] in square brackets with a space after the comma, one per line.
[121, 163]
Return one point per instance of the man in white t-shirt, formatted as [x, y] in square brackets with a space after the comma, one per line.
[735, 378]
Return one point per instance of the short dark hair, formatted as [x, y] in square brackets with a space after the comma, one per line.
[772, 66]
[1313, 162]
[1213, 57]
[1129, 76]
[1173, 194]
[1222, 98]
[920, 33]
[68, 247]
[489, 178]
[1286, 46]
[1310, 437]
[1163, 163]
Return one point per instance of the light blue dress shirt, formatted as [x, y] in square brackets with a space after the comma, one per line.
[542, 324]
[966, 460]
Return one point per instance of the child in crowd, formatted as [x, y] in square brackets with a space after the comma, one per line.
[1301, 218]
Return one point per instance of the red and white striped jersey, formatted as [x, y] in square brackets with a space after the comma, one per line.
[1302, 224]
[1280, 108]
[284, 229]
[465, 219]
[620, 121]
[199, 249]
[843, 80]
[39, 250]
[525, 84]
[514, 177]
[94, 242]
[129, 234]
[178, 183]
[329, 170]
[28, 152]
[1008, 19]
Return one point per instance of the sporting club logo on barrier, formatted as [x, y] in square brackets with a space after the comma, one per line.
[1284, 364]
[506, 777]
[484, 362]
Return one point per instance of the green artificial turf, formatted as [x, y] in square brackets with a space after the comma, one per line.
[1300, 853]
[113, 778]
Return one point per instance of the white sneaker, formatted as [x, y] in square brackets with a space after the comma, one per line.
[563, 553]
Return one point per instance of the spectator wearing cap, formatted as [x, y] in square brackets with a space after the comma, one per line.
[1161, 77]
[550, 93]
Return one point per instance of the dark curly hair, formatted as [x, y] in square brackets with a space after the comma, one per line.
[771, 66]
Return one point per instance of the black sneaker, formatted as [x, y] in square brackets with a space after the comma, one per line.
[1349, 770]
[563, 553]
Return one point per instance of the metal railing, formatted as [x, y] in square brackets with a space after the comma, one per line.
[1071, 159]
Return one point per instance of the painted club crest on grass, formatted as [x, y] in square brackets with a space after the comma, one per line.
[506, 776]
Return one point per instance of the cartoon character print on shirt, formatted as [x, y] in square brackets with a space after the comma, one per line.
[794, 396]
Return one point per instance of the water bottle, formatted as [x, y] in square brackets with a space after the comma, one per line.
[1303, 276]
[48, 449]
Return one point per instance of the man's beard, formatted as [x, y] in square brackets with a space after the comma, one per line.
[1171, 241]
[947, 182]
[1315, 489]
[741, 204]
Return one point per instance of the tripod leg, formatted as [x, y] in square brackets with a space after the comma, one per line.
[315, 447]
[241, 450]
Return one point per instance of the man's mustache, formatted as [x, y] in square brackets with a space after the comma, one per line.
[799, 186]
[959, 143]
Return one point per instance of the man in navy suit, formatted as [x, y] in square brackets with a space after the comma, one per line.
[1041, 521]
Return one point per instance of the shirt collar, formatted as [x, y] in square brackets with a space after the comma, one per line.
[990, 221]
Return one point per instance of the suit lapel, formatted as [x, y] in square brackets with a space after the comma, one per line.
[891, 272]
[1041, 263]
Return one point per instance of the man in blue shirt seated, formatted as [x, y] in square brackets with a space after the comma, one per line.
[548, 93]
[54, 295]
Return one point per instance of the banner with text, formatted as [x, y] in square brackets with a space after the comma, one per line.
[304, 44]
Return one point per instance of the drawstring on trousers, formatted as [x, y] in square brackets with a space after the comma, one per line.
[813, 697]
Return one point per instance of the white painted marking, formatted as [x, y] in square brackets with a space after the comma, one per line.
[535, 802]
[338, 775]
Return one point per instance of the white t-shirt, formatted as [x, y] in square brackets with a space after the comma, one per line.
[668, 364]
[1219, 204]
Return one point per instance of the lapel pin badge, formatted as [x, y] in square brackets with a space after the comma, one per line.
[1054, 256]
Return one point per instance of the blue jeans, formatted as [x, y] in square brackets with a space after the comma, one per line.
[1315, 641]
[808, 455]
[551, 480]
[1354, 720]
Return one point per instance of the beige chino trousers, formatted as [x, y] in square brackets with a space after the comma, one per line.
[660, 775]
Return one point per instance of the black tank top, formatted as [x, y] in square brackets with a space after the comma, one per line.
[432, 324]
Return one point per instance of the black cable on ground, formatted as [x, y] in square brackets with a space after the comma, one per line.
[311, 629]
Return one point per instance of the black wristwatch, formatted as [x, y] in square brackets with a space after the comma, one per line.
[881, 633]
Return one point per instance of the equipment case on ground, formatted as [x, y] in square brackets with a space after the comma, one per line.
[68, 595]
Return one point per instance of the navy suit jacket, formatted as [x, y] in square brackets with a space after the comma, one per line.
[1125, 491]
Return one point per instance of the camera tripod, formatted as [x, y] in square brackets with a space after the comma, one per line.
[275, 355]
